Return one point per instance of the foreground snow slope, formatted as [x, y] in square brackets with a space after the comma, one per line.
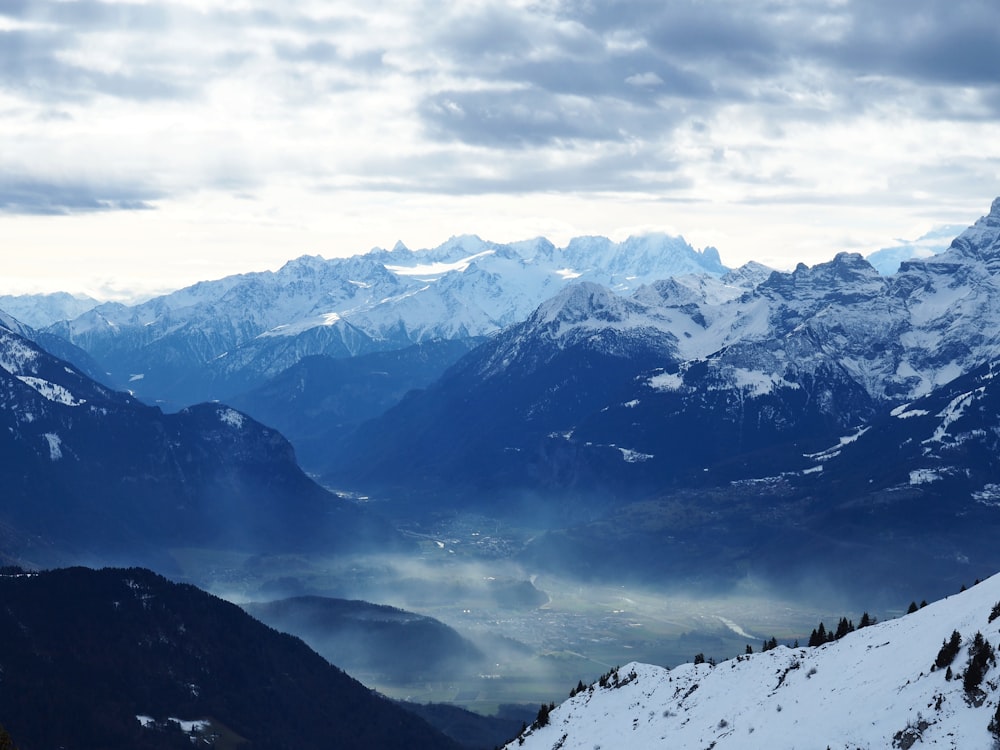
[874, 688]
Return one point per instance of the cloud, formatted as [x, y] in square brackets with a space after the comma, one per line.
[108, 105]
[37, 197]
[644, 79]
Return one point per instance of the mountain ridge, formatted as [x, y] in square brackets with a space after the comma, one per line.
[218, 337]
[876, 687]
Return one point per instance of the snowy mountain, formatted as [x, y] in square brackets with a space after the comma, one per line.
[89, 473]
[879, 686]
[41, 310]
[218, 338]
[604, 391]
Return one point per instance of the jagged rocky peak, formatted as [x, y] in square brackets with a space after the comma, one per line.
[750, 274]
[847, 273]
[303, 266]
[982, 239]
[580, 302]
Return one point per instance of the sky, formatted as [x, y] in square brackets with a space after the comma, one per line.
[146, 145]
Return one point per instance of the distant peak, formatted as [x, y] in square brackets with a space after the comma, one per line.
[711, 254]
[995, 208]
[400, 247]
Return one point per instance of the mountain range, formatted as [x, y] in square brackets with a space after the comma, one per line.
[653, 387]
[219, 338]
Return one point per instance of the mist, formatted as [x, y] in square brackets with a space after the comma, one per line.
[485, 632]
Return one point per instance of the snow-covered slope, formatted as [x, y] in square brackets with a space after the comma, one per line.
[874, 688]
[217, 337]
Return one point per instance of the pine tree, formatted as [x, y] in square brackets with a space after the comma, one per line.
[981, 655]
[866, 620]
[913, 608]
[949, 650]
[818, 637]
[844, 627]
[543, 716]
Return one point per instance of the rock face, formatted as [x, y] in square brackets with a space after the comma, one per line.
[91, 473]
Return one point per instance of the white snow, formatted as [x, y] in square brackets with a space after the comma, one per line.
[757, 383]
[438, 269]
[988, 495]
[666, 381]
[231, 417]
[137, 376]
[872, 689]
[951, 414]
[834, 451]
[55, 445]
[634, 457]
[52, 391]
[16, 354]
[924, 476]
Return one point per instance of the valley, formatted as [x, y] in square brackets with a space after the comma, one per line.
[540, 633]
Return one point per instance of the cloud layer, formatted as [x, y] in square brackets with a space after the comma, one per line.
[113, 106]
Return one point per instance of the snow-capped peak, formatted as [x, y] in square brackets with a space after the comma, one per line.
[982, 239]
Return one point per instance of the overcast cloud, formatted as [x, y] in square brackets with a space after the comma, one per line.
[300, 119]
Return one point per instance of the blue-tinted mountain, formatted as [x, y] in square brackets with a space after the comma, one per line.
[318, 400]
[89, 473]
[365, 638]
[123, 658]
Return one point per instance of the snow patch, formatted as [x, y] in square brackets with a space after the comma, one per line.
[834, 451]
[667, 381]
[437, 269]
[16, 355]
[137, 376]
[634, 457]
[911, 413]
[988, 495]
[756, 383]
[55, 445]
[924, 476]
[232, 418]
[951, 414]
[52, 391]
